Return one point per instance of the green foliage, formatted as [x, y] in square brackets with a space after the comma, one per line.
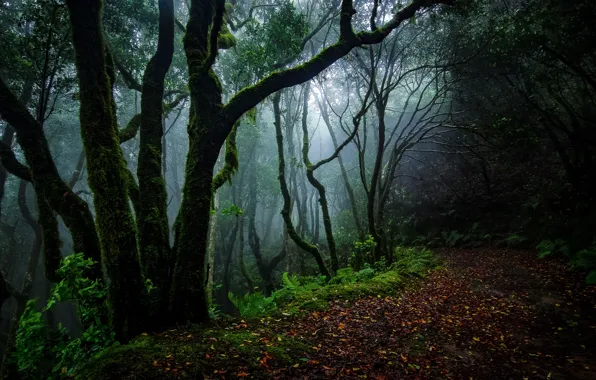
[253, 305]
[39, 350]
[31, 349]
[362, 252]
[516, 241]
[414, 261]
[473, 237]
[264, 45]
[586, 260]
[298, 294]
[452, 238]
[548, 248]
[232, 210]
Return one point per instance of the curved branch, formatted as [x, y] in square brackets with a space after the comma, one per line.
[9, 161]
[214, 36]
[252, 95]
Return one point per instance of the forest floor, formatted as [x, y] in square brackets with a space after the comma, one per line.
[486, 314]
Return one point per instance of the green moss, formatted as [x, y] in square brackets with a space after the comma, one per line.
[309, 298]
[226, 39]
[195, 351]
[231, 160]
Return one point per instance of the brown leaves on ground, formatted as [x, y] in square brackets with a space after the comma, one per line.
[487, 314]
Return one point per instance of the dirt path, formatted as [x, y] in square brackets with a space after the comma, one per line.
[489, 314]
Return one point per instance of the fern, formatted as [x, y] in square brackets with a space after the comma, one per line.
[253, 305]
[413, 261]
[290, 282]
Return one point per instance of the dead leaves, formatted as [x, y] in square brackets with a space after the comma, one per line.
[484, 308]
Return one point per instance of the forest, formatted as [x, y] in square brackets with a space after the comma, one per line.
[297, 189]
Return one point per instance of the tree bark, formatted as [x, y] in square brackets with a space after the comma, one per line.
[152, 217]
[106, 170]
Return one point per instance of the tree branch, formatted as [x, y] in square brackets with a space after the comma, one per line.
[129, 79]
[214, 35]
[251, 96]
[241, 24]
[131, 129]
[11, 164]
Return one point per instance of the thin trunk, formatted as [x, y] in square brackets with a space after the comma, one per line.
[249, 282]
[211, 249]
[344, 172]
[228, 306]
[7, 370]
[317, 185]
[317, 223]
[286, 212]
[374, 183]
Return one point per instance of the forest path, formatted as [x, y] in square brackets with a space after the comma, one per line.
[487, 314]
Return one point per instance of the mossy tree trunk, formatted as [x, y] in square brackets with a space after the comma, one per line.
[212, 236]
[107, 176]
[152, 216]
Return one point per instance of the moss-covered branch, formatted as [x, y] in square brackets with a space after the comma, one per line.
[253, 95]
[216, 28]
[129, 79]
[131, 129]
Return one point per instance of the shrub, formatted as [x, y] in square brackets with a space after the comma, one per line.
[548, 248]
[586, 260]
[362, 252]
[314, 293]
[39, 350]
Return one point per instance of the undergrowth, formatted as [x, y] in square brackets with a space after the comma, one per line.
[43, 352]
[300, 294]
[583, 260]
[251, 342]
